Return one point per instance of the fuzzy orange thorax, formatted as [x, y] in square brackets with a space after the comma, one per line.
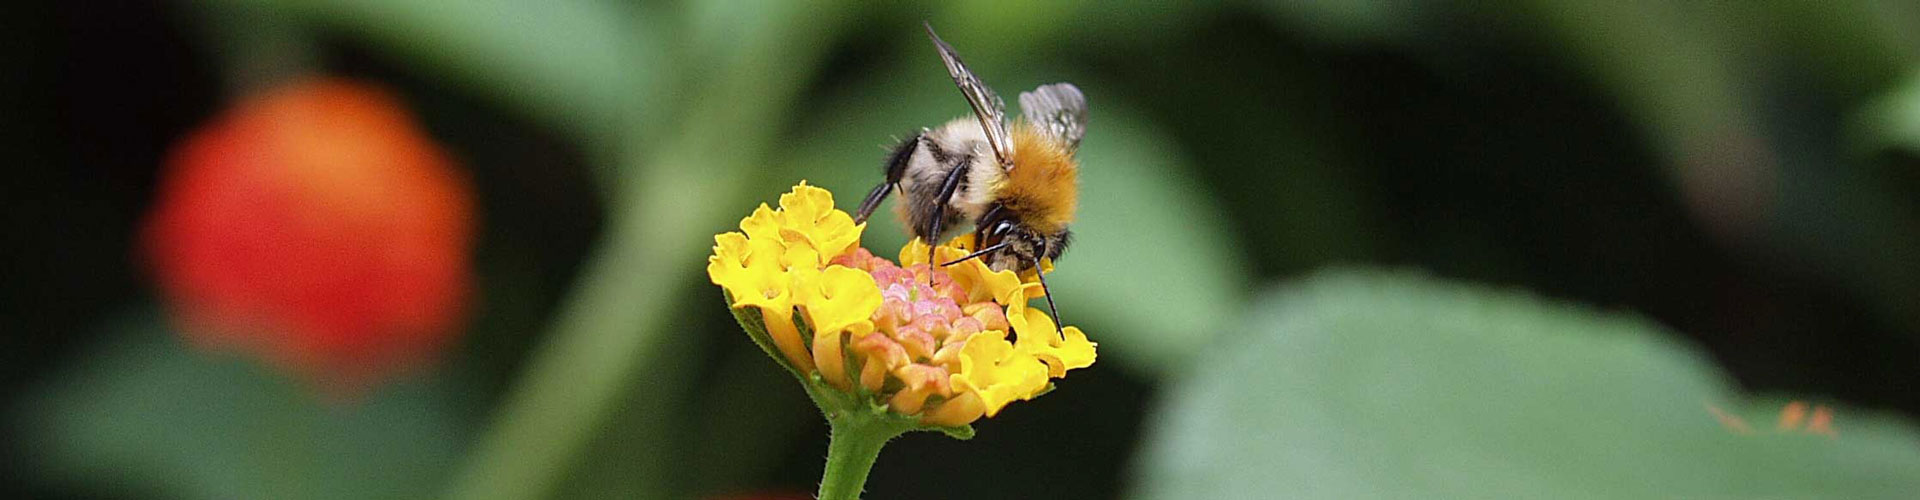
[1043, 186]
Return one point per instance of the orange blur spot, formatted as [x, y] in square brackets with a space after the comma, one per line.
[1792, 416]
[318, 227]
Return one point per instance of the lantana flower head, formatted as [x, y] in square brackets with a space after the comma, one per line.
[944, 345]
[318, 227]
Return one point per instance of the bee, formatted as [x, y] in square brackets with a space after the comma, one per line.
[1015, 182]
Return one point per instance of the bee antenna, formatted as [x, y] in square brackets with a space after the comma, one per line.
[1058, 324]
[977, 253]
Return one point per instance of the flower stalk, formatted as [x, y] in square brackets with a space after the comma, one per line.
[853, 447]
[857, 432]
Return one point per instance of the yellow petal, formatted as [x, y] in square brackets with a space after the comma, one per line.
[830, 351]
[1032, 276]
[829, 354]
[805, 204]
[731, 246]
[1061, 350]
[981, 282]
[839, 297]
[982, 351]
[786, 337]
[1035, 329]
[764, 224]
[914, 253]
[992, 369]
[873, 377]
[1020, 314]
[835, 234]
[1061, 354]
[963, 409]
[826, 241]
[801, 258]
[1017, 378]
[750, 284]
[807, 218]
[750, 271]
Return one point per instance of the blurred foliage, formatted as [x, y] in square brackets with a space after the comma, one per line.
[145, 416]
[1361, 384]
[1891, 123]
[578, 66]
[1743, 173]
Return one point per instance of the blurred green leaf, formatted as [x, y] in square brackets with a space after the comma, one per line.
[585, 66]
[1001, 29]
[1892, 121]
[143, 416]
[1670, 65]
[1850, 47]
[1151, 274]
[1368, 385]
[740, 425]
[1352, 21]
[1847, 205]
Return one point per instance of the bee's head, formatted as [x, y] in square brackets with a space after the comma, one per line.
[1007, 243]
[1020, 246]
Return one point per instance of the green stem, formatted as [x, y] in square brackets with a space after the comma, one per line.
[855, 443]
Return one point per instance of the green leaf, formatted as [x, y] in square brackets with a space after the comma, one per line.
[1151, 275]
[585, 66]
[1892, 120]
[144, 416]
[1369, 385]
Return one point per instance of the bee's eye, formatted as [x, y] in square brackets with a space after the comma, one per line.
[1003, 228]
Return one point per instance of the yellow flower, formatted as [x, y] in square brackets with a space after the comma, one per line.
[1066, 351]
[928, 342]
[751, 272]
[808, 218]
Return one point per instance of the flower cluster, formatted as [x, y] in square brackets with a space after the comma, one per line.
[318, 227]
[944, 344]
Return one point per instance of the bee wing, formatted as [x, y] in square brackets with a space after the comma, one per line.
[987, 106]
[1059, 109]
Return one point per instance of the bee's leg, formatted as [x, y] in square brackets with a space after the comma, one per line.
[1058, 324]
[872, 201]
[896, 168]
[977, 253]
[940, 203]
[980, 226]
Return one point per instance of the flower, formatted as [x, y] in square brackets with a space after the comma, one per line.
[315, 226]
[943, 344]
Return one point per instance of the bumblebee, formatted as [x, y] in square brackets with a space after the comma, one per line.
[1015, 182]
